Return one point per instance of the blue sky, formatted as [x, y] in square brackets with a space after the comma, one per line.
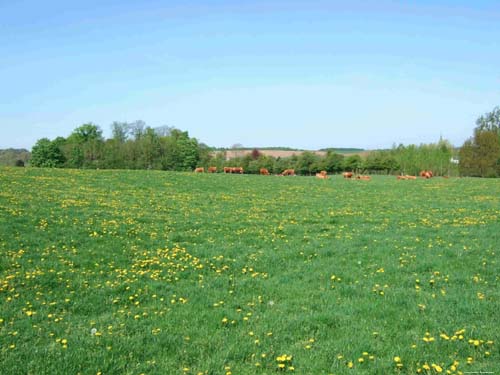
[306, 74]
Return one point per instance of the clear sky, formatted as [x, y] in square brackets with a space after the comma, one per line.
[306, 74]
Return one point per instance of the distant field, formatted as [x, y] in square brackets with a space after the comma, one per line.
[230, 154]
[149, 272]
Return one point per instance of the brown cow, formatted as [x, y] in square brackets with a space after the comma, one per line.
[365, 178]
[212, 169]
[199, 170]
[236, 170]
[321, 176]
[227, 169]
[426, 174]
[288, 172]
[347, 174]
[264, 172]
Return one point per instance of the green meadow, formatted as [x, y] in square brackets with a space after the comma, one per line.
[150, 272]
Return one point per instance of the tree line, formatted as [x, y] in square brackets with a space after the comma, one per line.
[132, 146]
[398, 160]
[137, 146]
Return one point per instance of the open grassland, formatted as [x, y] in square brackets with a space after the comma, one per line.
[130, 272]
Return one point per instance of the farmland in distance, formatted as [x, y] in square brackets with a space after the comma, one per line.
[149, 272]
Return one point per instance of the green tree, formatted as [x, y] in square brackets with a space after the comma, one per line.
[353, 163]
[466, 164]
[489, 121]
[333, 162]
[307, 163]
[83, 148]
[480, 156]
[487, 152]
[46, 153]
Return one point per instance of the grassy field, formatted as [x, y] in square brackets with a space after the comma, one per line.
[130, 272]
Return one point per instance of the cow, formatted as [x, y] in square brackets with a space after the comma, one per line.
[365, 178]
[227, 169]
[236, 170]
[199, 170]
[264, 172]
[426, 174]
[321, 176]
[288, 172]
[212, 169]
[347, 174]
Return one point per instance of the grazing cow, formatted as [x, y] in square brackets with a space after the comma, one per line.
[227, 169]
[365, 178]
[236, 170]
[212, 169]
[264, 172]
[347, 174]
[199, 170]
[426, 174]
[288, 172]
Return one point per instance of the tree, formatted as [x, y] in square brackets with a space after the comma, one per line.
[353, 163]
[306, 162]
[83, 148]
[466, 164]
[333, 162]
[255, 154]
[150, 149]
[489, 121]
[480, 156]
[120, 131]
[46, 153]
[487, 152]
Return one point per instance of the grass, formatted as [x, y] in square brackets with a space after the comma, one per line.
[130, 272]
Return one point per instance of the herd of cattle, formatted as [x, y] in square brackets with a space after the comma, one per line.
[321, 175]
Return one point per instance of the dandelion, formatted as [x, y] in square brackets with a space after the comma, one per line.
[437, 368]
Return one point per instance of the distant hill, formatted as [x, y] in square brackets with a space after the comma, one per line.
[344, 150]
[285, 152]
[274, 152]
[12, 157]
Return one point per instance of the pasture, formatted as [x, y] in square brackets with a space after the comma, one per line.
[148, 272]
